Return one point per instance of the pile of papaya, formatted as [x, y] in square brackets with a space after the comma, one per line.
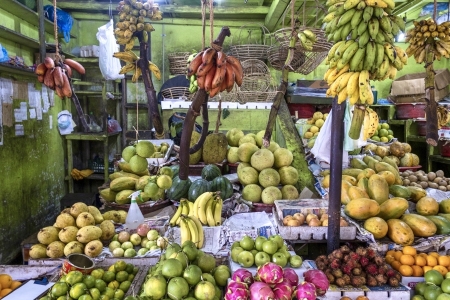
[373, 194]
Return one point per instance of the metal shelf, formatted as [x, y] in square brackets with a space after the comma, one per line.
[10, 69]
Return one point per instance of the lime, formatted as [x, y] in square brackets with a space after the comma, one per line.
[164, 182]
[109, 292]
[121, 276]
[77, 290]
[151, 189]
[390, 137]
[382, 132]
[390, 132]
[59, 289]
[375, 138]
[114, 284]
[130, 277]
[119, 294]
[434, 277]
[379, 127]
[166, 171]
[445, 285]
[129, 269]
[417, 297]
[86, 297]
[124, 286]
[100, 285]
[385, 126]
[384, 139]
[120, 265]
[98, 273]
[432, 291]
[89, 281]
[95, 293]
[108, 276]
[135, 270]
[376, 132]
[419, 289]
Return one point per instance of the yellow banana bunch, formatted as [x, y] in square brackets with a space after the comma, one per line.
[127, 56]
[76, 174]
[307, 39]
[191, 230]
[208, 209]
[127, 68]
[443, 116]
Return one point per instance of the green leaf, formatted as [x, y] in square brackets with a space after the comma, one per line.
[225, 113]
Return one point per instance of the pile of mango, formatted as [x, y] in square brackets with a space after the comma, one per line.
[366, 190]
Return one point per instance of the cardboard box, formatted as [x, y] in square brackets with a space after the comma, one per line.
[384, 292]
[411, 87]
[411, 282]
[314, 84]
[37, 57]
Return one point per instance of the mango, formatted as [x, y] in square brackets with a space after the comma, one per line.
[427, 206]
[420, 225]
[388, 176]
[358, 164]
[88, 233]
[390, 162]
[416, 193]
[326, 181]
[378, 189]
[399, 232]
[362, 208]
[444, 206]
[345, 198]
[376, 226]
[350, 179]
[351, 172]
[122, 174]
[142, 182]
[399, 191]
[355, 192]
[393, 208]
[383, 166]
[122, 197]
[108, 195]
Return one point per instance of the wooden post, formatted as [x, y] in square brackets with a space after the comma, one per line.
[336, 151]
[432, 135]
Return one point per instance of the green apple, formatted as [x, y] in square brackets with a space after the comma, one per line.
[246, 259]
[261, 258]
[259, 241]
[270, 247]
[235, 252]
[278, 239]
[285, 251]
[296, 261]
[247, 243]
[279, 259]
[235, 244]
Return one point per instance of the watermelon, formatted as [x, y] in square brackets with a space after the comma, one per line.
[209, 172]
[175, 170]
[197, 188]
[179, 189]
[223, 185]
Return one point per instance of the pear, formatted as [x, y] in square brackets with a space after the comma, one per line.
[73, 247]
[68, 234]
[55, 249]
[93, 248]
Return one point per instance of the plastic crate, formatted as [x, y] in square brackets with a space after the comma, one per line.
[99, 167]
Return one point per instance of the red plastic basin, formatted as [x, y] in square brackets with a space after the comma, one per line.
[410, 110]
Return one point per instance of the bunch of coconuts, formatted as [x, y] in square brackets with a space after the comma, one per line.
[434, 180]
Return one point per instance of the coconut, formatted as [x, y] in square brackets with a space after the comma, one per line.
[38, 251]
[55, 249]
[68, 234]
[128, 152]
[48, 235]
[138, 164]
[73, 247]
[85, 219]
[93, 248]
[288, 175]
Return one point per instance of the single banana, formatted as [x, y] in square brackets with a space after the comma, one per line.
[310, 35]
[386, 24]
[330, 16]
[379, 55]
[185, 210]
[366, 125]
[350, 4]
[374, 27]
[376, 3]
[357, 58]
[342, 95]
[344, 80]
[349, 52]
[389, 51]
[127, 56]
[354, 98]
[209, 213]
[176, 216]
[346, 17]
[193, 230]
[364, 39]
[218, 212]
[137, 73]
[130, 44]
[352, 83]
[368, 12]
[155, 70]
[201, 233]
[191, 208]
[364, 86]
[356, 19]
[371, 52]
[200, 206]
[390, 3]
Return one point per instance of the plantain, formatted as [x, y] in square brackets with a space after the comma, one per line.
[155, 70]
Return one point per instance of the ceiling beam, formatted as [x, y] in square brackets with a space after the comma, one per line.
[222, 10]
[275, 13]
[407, 6]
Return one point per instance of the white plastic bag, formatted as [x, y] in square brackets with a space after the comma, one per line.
[109, 65]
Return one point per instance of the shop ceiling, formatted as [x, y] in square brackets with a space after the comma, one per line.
[273, 14]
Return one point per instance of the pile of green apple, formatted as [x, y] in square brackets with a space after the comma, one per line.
[124, 244]
[249, 252]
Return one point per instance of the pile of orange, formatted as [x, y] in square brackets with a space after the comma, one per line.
[410, 263]
[7, 285]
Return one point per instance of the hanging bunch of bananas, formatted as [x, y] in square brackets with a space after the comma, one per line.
[364, 50]
[370, 124]
[131, 60]
[443, 116]
[215, 71]
[132, 18]
[307, 39]
[193, 84]
[427, 31]
[207, 208]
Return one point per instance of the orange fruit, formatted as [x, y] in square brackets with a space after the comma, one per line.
[417, 271]
[406, 270]
[426, 269]
[431, 261]
[15, 284]
[5, 292]
[407, 259]
[397, 255]
[5, 281]
[389, 259]
[420, 260]
[423, 254]
[444, 260]
[435, 254]
[396, 265]
[409, 250]
[390, 252]
[441, 269]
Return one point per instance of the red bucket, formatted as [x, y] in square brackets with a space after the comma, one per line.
[78, 262]
[410, 110]
[301, 111]
[421, 127]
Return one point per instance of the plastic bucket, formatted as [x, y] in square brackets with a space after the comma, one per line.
[421, 127]
[78, 262]
[410, 110]
[301, 111]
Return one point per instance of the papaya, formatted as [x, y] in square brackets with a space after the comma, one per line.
[399, 191]
[366, 173]
[416, 193]
[122, 197]
[345, 198]
[444, 206]
[355, 192]
[108, 195]
[362, 208]
[122, 174]
[351, 172]
[363, 183]
[388, 176]
[420, 225]
[442, 224]
[390, 162]
[370, 161]
[358, 163]
[350, 179]
[427, 206]
[326, 181]
[122, 183]
[376, 226]
[399, 232]
[447, 216]
[393, 208]
[378, 189]
[383, 166]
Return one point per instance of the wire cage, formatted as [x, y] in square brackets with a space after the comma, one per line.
[178, 62]
[255, 47]
[256, 75]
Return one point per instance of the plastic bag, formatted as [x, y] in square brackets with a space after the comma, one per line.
[113, 126]
[64, 20]
[109, 65]
[3, 54]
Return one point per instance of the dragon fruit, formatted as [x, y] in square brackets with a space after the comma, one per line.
[237, 291]
[270, 273]
[306, 291]
[290, 275]
[318, 279]
[283, 290]
[243, 275]
[261, 291]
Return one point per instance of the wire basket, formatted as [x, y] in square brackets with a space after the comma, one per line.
[181, 93]
[256, 75]
[178, 62]
[277, 56]
[255, 48]
[255, 96]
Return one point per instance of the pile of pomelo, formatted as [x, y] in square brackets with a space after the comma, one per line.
[435, 287]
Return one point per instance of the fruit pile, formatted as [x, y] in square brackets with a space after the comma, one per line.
[112, 283]
[124, 244]
[307, 39]
[312, 220]
[410, 263]
[7, 285]
[428, 32]
[436, 286]
[433, 180]
[185, 271]
[363, 266]
[383, 133]
[78, 229]
[207, 208]
[399, 153]
[249, 252]
[261, 170]
[273, 282]
[131, 65]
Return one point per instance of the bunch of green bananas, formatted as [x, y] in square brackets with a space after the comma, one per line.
[427, 31]
[132, 18]
[307, 39]
[193, 85]
[131, 65]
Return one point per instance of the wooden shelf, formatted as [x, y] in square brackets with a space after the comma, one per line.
[90, 136]
[10, 69]
[29, 15]
[416, 138]
[439, 159]
[18, 37]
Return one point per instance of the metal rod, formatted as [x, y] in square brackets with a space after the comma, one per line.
[336, 151]
[41, 29]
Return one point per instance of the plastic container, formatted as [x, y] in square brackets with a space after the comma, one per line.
[445, 148]
[410, 110]
[301, 111]
[421, 127]
[134, 216]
